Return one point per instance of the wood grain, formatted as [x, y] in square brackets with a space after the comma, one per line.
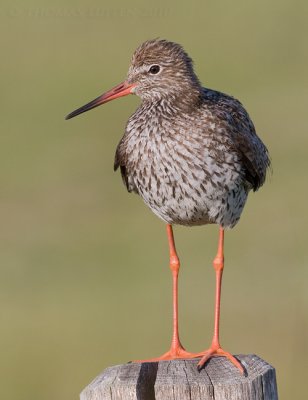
[180, 380]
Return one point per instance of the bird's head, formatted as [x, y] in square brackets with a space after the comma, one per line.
[162, 70]
[159, 70]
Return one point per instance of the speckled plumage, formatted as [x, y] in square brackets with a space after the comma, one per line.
[191, 153]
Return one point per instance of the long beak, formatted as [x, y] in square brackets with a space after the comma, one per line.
[123, 89]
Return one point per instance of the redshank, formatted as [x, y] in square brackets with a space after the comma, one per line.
[191, 153]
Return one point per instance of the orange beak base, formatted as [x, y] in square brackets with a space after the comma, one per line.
[123, 89]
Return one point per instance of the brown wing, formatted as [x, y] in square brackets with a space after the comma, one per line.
[242, 137]
[119, 161]
[254, 154]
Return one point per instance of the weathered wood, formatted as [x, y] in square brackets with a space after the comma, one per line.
[180, 380]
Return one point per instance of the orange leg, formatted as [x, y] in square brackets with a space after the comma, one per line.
[215, 349]
[176, 349]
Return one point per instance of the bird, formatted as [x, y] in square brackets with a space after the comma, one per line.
[192, 154]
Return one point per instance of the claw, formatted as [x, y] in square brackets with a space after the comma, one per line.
[219, 352]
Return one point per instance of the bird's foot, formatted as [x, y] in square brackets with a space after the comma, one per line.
[176, 352]
[217, 351]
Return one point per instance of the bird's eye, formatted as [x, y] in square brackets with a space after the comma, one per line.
[154, 69]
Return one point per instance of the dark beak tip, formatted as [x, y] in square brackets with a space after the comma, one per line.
[72, 115]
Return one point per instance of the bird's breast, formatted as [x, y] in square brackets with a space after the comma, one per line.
[179, 172]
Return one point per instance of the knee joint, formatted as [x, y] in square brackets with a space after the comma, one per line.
[174, 263]
[218, 263]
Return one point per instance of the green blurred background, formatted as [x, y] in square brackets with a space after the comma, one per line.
[84, 278]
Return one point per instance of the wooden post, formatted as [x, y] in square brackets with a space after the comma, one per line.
[180, 380]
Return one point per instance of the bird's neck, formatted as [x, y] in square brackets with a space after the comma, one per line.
[174, 103]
